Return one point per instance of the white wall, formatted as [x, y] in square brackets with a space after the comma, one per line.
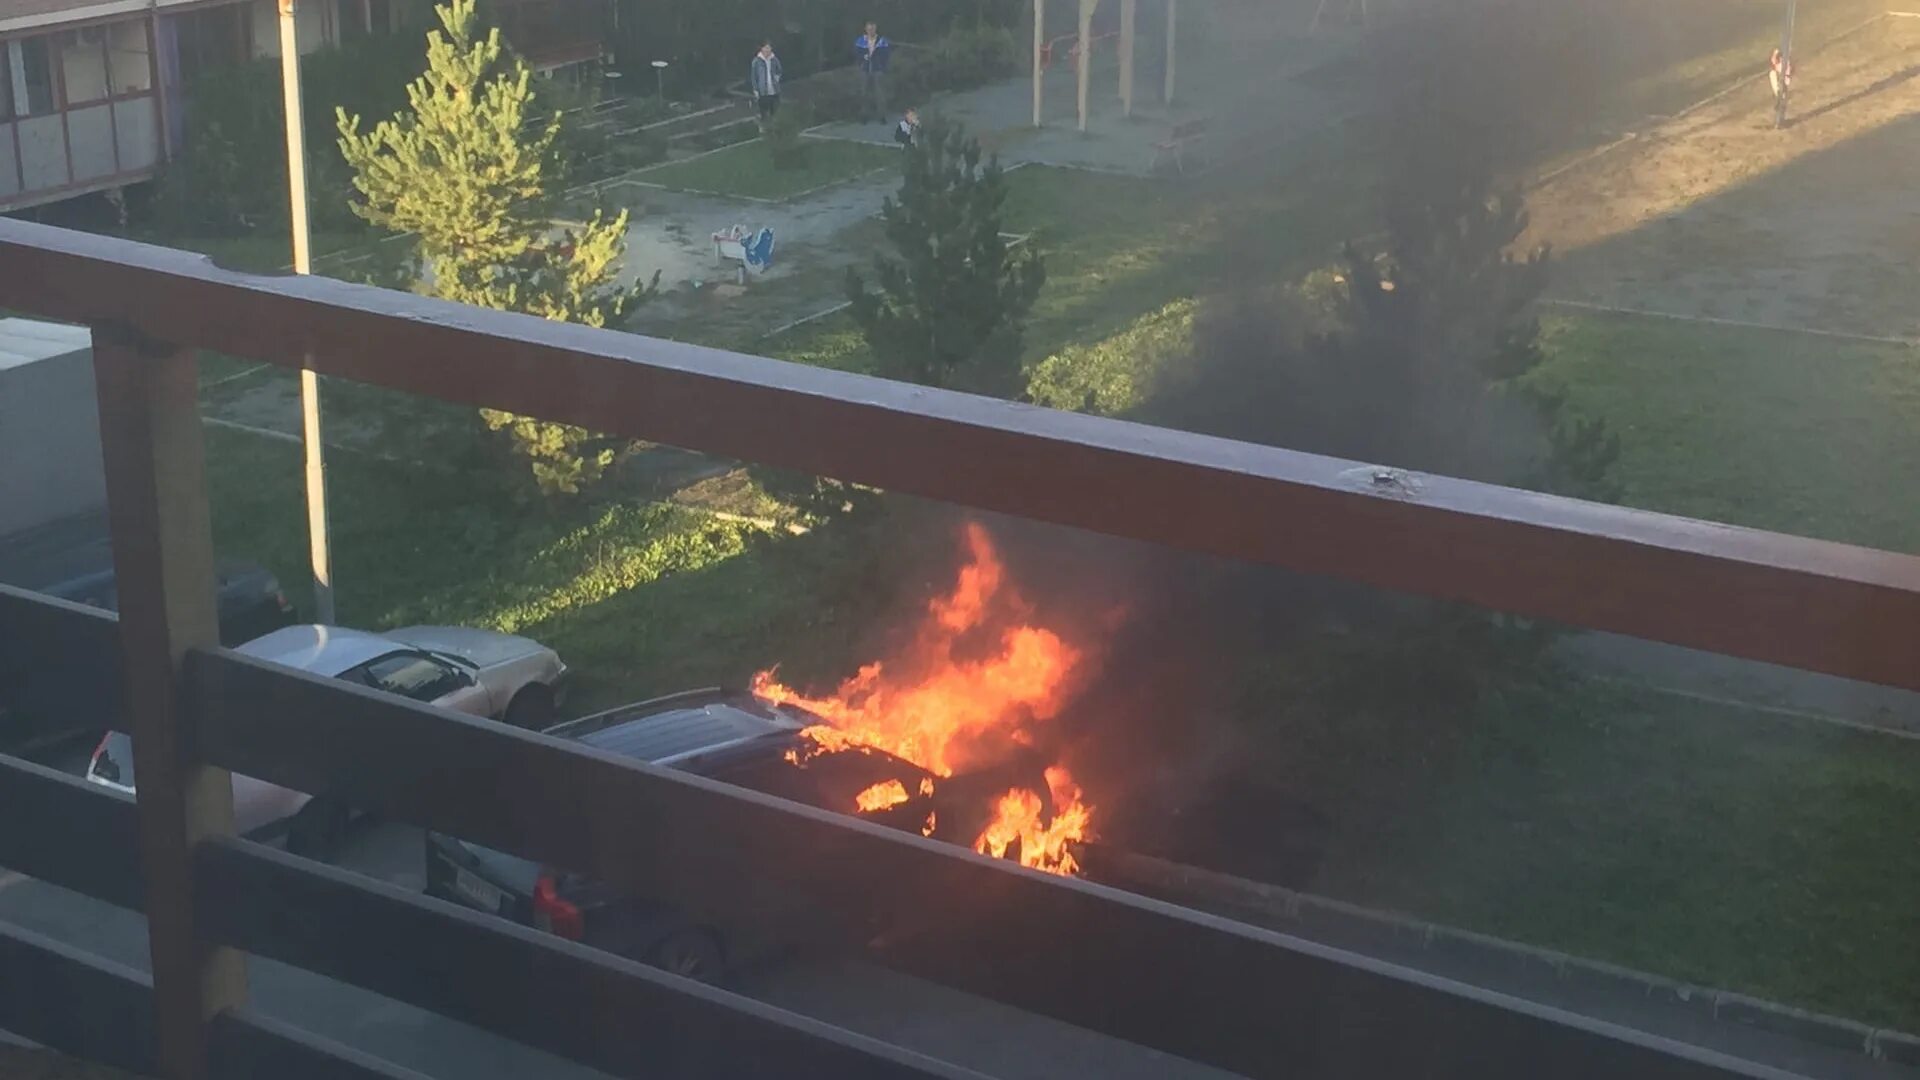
[49, 425]
[43, 151]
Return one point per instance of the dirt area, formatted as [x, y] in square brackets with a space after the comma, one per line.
[1715, 213]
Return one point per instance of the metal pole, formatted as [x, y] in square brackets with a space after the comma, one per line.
[1173, 10]
[1086, 61]
[316, 463]
[1039, 37]
[1128, 11]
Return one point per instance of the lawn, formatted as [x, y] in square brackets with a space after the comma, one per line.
[641, 595]
[1789, 432]
[1714, 845]
[747, 169]
[1119, 248]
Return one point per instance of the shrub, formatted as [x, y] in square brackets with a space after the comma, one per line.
[1117, 375]
[784, 142]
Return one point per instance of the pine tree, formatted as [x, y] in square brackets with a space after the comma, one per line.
[950, 310]
[465, 172]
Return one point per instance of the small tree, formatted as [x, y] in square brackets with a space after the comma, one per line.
[950, 309]
[464, 172]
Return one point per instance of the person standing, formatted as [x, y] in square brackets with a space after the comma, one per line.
[1780, 77]
[873, 52]
[764, 77]
[909, 129]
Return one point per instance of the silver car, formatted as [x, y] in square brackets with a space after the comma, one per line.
[497, 676]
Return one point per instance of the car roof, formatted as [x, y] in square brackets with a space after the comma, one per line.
[323, 650]
[670, 730]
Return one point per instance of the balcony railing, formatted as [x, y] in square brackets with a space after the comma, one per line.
[1194, 985]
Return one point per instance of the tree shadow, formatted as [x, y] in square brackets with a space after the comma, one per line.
[1887, 83]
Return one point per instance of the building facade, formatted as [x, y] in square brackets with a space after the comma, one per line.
[92, 91]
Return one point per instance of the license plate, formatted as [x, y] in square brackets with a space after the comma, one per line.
[482, 893]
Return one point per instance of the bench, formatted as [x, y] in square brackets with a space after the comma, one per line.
[1174, 149]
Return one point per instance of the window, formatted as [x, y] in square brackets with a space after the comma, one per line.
[6, 84]
[31, 75]
[83, 64]
[129, 67]
[413, 675]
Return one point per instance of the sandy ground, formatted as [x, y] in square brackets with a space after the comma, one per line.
[1715, 213]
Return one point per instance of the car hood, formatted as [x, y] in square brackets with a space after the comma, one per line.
[481, 648]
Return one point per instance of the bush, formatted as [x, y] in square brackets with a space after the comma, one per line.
[1117, 375]
[784, 142]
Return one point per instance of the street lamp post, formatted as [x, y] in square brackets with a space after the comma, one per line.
[660, 73]
[1783, 92]
[318, 547]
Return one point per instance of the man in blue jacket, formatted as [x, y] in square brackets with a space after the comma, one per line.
[764, 78]
[871, 51]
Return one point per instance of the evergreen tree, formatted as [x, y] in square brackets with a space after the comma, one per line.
[950, 309]
[465, 172]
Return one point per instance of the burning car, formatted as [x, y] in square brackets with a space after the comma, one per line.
[731, 736]
[951, 737]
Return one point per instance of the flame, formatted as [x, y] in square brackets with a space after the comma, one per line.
[880, 796]
[977, 679]
[1042, 847]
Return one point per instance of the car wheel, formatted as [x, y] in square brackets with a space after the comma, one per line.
[531, 708]
[318, 830]
[690, 954]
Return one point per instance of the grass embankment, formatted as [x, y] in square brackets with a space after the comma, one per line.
[1794, 433]
[1715, 845]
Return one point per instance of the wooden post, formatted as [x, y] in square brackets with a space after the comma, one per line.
[1039, 46]
[1086, 60]
[1128, 9]
[155, 458]
[1173, 8]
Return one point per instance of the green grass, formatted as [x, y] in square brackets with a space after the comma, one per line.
[1120, 249]
[1714, 845]
[747, 169]
[1788, 432]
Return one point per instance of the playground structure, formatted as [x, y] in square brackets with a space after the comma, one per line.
[752, 250]
[1083, 43]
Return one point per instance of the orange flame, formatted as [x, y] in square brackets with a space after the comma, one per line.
[1042, 847]
[880, 796]
[976, 680]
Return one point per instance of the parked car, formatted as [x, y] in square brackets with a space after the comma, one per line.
[73, 560]
[497, 676]
[731, 736]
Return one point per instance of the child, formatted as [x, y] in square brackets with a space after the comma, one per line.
[763, 77]
[909, 128]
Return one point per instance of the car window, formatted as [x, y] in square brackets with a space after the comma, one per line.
[409, 674]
